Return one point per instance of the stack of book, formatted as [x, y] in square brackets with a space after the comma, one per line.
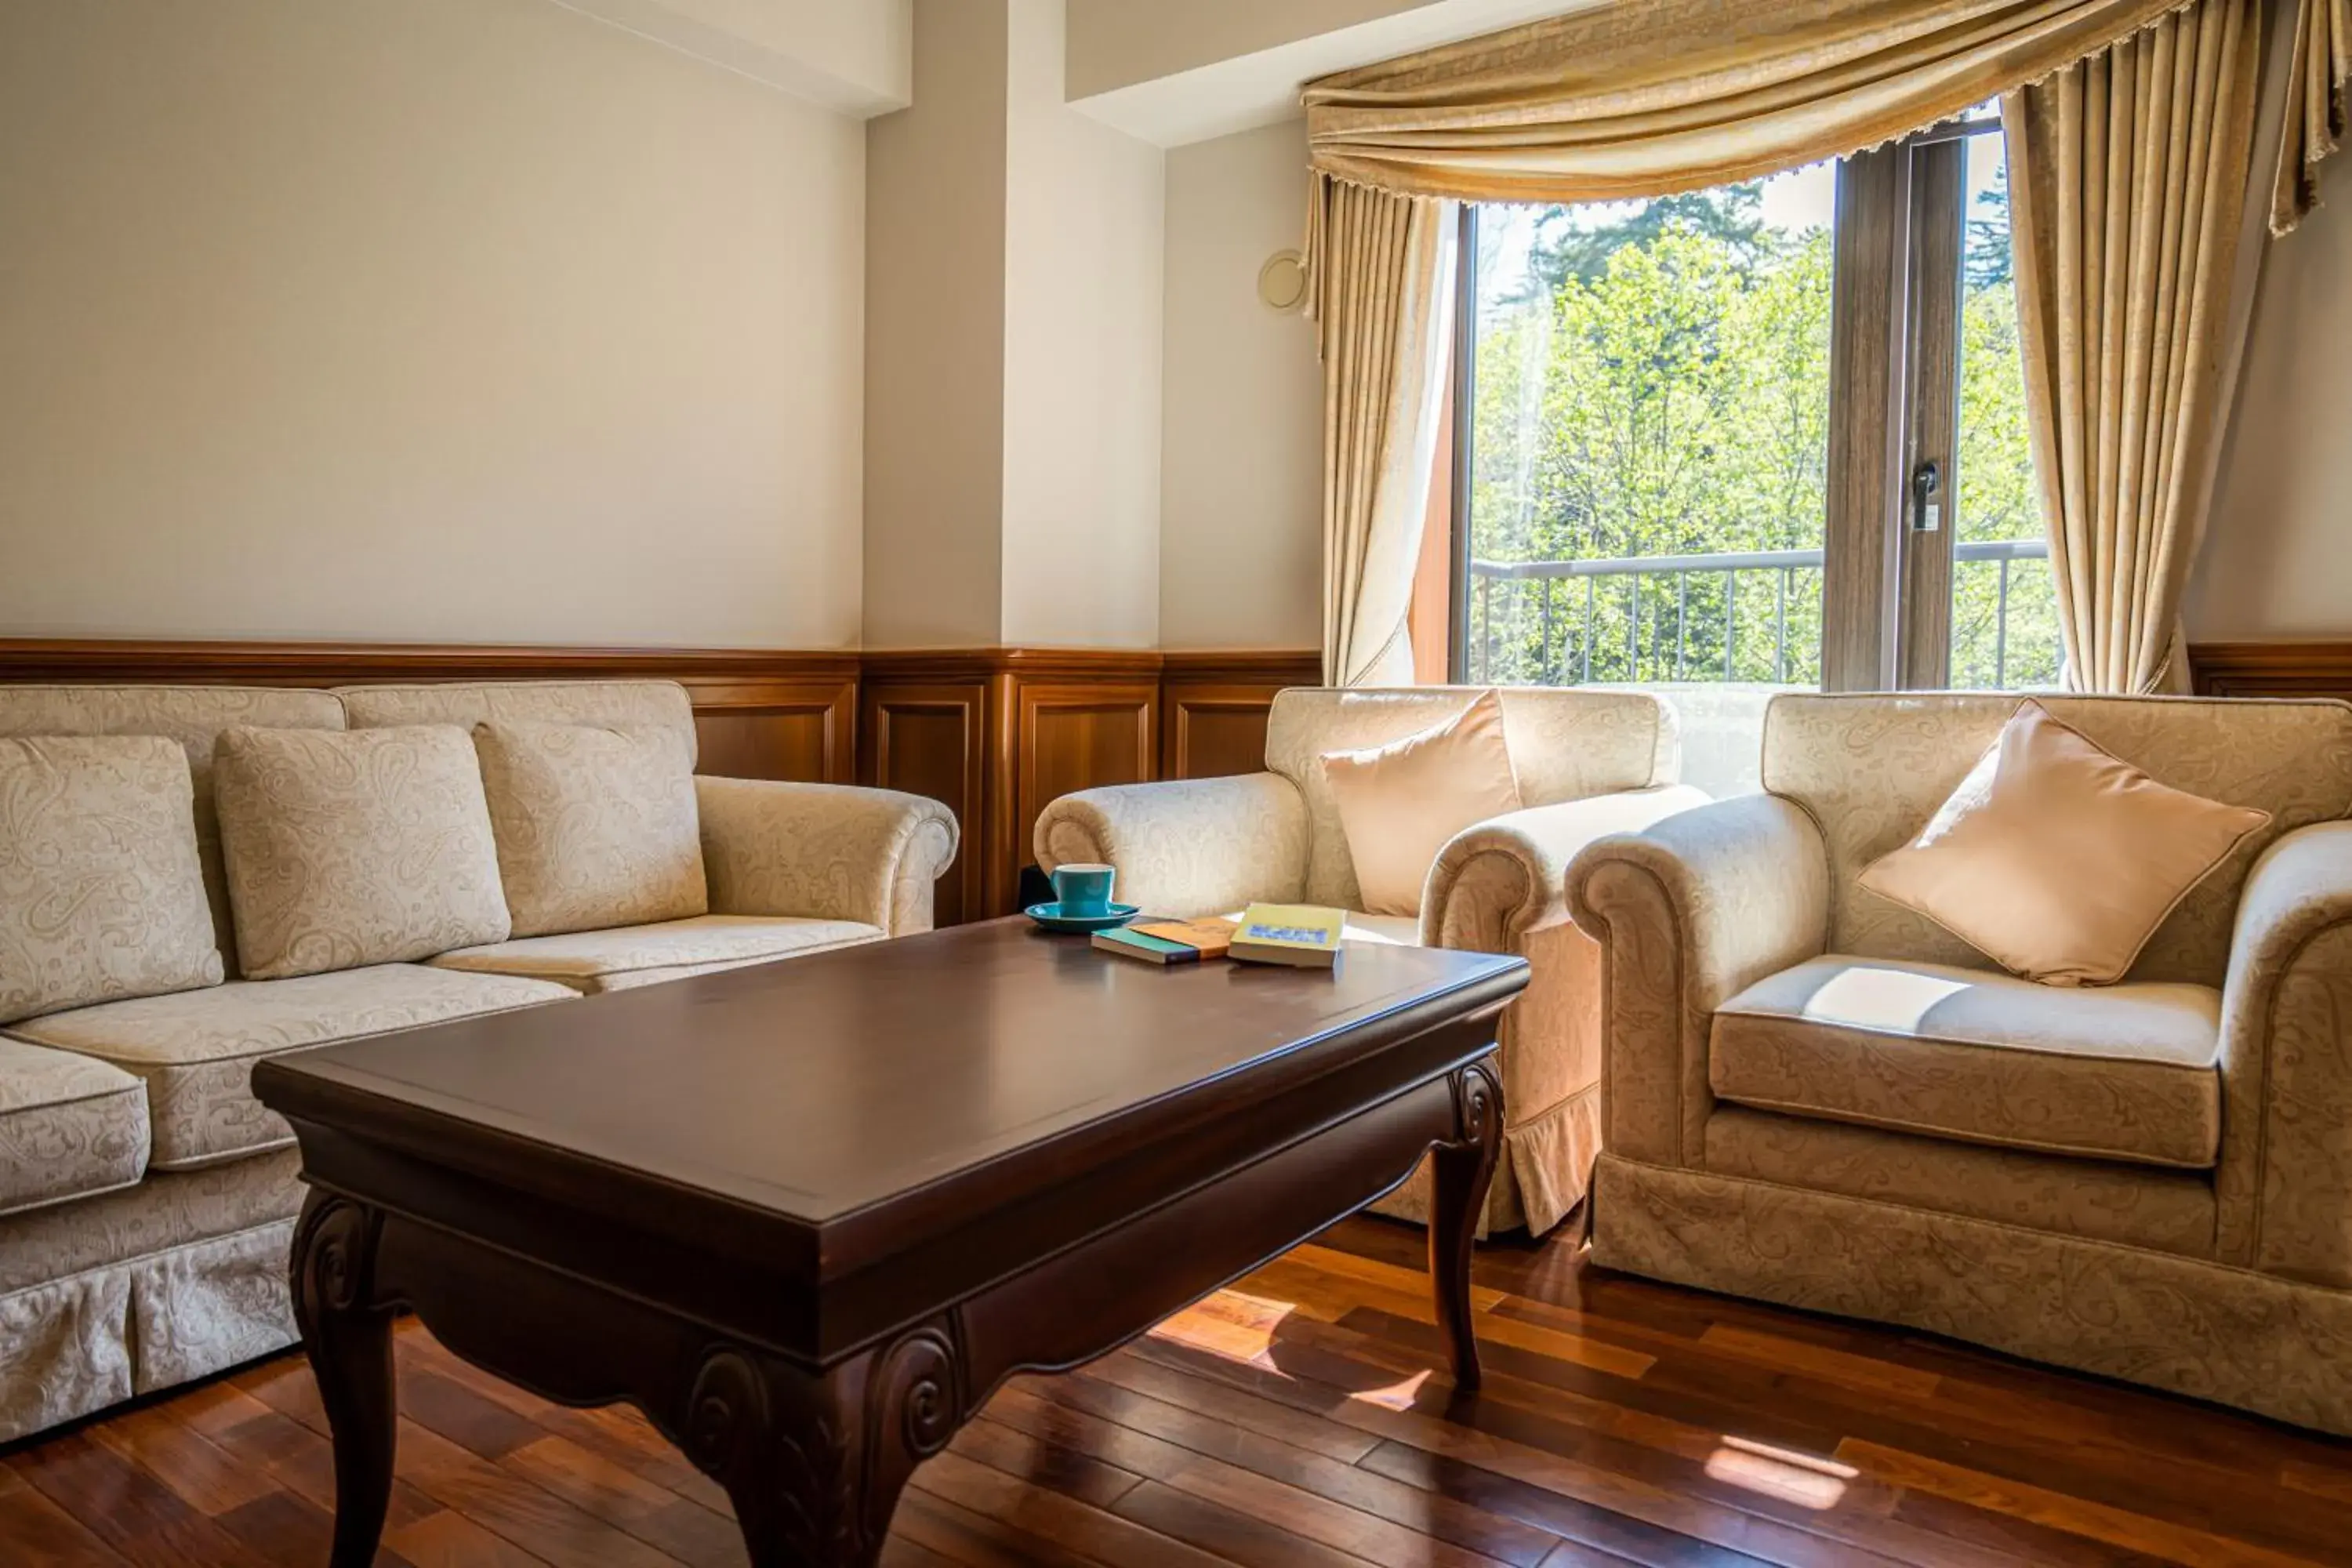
[1301, 935]
[1169, 941]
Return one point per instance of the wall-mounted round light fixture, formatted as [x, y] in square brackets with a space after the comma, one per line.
[1282, 281]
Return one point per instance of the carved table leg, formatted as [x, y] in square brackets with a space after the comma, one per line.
[349, 1340]
[1461, 1173]
[815, 1464]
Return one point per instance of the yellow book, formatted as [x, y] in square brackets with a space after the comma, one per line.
[1302, 935]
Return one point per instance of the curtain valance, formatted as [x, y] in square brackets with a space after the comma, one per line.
[2313, 112]
[1646, 98]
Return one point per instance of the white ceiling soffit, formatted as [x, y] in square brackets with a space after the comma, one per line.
[1262, 88]
[854, 57]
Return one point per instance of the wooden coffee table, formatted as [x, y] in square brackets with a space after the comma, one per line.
[807, 1215]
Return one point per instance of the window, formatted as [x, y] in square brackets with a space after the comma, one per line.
[1770, 434]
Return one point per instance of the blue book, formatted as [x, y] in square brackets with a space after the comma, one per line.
[1150, 948]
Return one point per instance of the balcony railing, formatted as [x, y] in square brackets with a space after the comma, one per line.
[1640, 620]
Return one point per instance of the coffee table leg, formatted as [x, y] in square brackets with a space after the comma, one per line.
[1461, 1173]
[815, 1464]
[349, 1340]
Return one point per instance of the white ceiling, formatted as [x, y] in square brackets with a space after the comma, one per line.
[1167, 94]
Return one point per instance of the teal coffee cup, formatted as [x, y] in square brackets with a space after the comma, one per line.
[1083, 890]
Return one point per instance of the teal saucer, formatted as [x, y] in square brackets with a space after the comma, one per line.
[1049, 915]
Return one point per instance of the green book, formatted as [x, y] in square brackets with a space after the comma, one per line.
[1149, 948]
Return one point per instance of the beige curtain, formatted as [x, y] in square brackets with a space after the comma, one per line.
[2128, 173]
[1644, 98]
[2312, 125]
[1382, 297]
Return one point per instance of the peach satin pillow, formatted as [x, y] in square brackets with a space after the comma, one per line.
[2057, 860]
[1400, 803]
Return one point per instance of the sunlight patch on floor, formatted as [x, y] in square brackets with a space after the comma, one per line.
[1396, 1396]
[1802, 1479]
[1230, 1325]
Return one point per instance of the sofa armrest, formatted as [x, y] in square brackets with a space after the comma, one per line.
[1185, 847]
[824, 851]
[1688, 914]
[1499, 879]
[2284, 1183]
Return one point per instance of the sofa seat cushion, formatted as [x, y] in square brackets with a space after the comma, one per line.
[627, 956]
[2121, 1072]
[69, 1127]
[195, 1050]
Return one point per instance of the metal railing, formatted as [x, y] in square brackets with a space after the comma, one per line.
[1656, 594]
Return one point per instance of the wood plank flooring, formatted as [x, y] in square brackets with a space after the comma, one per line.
[1298, 1420]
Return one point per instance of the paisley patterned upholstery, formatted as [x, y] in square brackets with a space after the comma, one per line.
[146, 1198]
[1872, 771]
[1587, 763]
[191, 716]
[1968, 1152]
[350, 849]
[2121, 1072]
[69, 1127]
[617, 704]
[592, 961]
[195, 1051]
[595, 827]
[1565, 745]
[100, 892]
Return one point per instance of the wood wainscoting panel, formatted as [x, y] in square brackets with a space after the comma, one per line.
[2272, 668]
[926, 732]
[1213, 709]
[1074, 735]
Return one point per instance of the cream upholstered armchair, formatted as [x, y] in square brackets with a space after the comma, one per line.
[1587, 763]
[1818, 1097]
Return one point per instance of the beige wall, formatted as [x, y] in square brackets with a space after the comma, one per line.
[465, 319]
[2277, 561]
[935, 256]
[1242, 456]
[1082, 361]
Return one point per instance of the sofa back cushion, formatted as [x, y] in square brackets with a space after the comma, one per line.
[1872, 770]
[101, 897]
[191, 716]
[596, 828]
[1565, 745]
[372, 846]
[618, 704]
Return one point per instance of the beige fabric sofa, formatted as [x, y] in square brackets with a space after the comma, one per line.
[1589, 763]
[1818, 1097]
[147, 1201]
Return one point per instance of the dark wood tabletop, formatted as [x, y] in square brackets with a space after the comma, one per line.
[807, 1214]
[893, 1088]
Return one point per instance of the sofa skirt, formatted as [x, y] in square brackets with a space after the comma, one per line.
[2260, 1342]
[1544, 1171]
[177, 1278]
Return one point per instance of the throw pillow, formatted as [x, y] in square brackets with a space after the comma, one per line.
[1399, 804]
[595, 828]
[101, 897]
[350, 847]
[2057, 860]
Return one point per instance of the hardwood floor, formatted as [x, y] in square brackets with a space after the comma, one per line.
[1299, 1420]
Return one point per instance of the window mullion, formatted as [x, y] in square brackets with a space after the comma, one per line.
[1869, 382]
[1930, 440]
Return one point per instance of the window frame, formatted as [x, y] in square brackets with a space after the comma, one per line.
[1898, 244]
